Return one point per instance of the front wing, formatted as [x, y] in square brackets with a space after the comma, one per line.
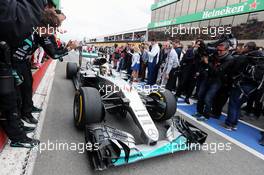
[116, 147]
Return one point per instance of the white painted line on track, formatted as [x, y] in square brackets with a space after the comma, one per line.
[241, 145]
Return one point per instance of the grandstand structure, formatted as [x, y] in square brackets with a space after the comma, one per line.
[130, 36]
[244, 17]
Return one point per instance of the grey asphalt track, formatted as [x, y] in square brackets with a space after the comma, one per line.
[59, 128]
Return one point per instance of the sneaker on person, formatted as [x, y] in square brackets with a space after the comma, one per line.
[227, 127]
[261, 141]
[197, 114]
[187, 101]
[36, 110]
[195, 96]
[25, 143]
[202, 118]
[209, 115]
[215, 116]
[234, 128]
[28, 129]
[30, 119]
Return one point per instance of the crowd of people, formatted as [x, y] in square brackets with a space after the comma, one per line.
[230, 73]
[234, 74]
[26, 27]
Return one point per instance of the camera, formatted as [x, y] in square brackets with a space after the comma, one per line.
[210, 49]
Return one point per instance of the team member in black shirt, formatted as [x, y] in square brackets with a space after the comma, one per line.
[17, 19]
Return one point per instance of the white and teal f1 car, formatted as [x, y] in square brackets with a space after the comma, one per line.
[100, 90]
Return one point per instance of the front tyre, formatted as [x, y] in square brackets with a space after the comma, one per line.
[71, 70]
[88, 107]
[163, 106]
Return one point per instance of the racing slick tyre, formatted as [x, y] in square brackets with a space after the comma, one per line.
[71, 70]
[163, 107]
[88, 107]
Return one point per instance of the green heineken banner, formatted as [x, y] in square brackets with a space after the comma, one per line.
[161, 4]
[235, 9]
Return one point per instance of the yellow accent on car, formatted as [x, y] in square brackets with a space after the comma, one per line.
[162, 99]
[81, 110]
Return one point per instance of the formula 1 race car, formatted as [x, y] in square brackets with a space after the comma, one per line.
[101, 90]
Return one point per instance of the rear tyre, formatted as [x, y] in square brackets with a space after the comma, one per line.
[88, 107]
[163, 107]
[71, 70]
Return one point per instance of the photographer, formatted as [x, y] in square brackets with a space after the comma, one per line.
[249, 79]
[254, 105]
[199, 66]
[17, 19]
[216, 66]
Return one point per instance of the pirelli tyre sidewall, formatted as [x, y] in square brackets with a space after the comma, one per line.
[88, 107]
[71, 70]
[170, 102]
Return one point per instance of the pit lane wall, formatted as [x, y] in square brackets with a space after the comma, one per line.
[37, 77]
[3, 139]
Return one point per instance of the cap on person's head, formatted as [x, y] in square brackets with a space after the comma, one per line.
[251, 46]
